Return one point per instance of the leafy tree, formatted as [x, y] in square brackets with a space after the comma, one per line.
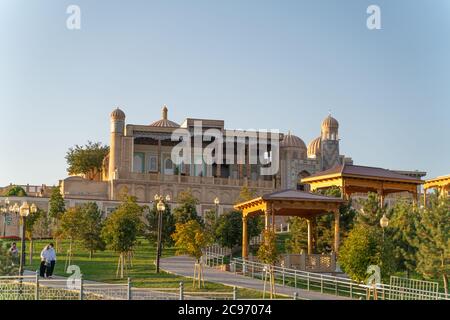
[15, 191]
[246, 194]
[363, 247]
[7, 265]
[433, 240]
[86, 160]
[122, 228]
[228, 228]
[70, 228]
[187, 207]
[168, 225]
[30, 225]
[190, 238]
[268, 254]
[56, 210]
[91, 227]
[298, 238]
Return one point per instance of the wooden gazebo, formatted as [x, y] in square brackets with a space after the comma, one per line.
[290, 203]
[363, 179]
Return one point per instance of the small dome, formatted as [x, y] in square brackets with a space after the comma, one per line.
[118, 114]
[165, 122]
[314, 147]
[330, 123]
[290, 140]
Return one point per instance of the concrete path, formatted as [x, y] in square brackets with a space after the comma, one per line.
[184, 266]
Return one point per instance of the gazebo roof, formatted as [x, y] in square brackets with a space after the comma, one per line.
[440, 181]
[291, 203]
[347, 170]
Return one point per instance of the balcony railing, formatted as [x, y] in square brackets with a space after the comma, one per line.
[197, 180]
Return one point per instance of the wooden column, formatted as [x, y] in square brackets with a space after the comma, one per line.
[267, 214]
[381, 195]
[310, 237]
[424, 197]
[336, 231]
[244, 238]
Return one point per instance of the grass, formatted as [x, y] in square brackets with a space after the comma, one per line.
[102, 267]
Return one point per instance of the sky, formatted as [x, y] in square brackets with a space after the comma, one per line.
[254, 63]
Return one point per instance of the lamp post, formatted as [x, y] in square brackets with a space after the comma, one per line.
[24, 211]
[160, 207]
[5, 211]
[217, 202]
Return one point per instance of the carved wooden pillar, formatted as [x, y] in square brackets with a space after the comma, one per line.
[244, 238]
[310, 237]
[336, 231]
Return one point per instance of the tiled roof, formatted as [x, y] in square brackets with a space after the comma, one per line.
[291, 194]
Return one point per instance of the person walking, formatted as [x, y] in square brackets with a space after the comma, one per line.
[51, 260]
[14, 252]
[45, 261]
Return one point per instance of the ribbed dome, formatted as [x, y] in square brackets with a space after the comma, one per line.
[165, 122]
[330, 123]
[118, 114]
[290, 140]
[314, 147]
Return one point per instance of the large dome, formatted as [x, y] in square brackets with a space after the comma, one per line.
[314, 147]
[165, 122]
[292, 141]
[118, 114]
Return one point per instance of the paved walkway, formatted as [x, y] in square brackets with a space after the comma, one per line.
[184, 266]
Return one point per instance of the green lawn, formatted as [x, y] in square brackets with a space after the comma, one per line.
[102, 267]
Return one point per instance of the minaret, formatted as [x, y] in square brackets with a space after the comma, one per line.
[117, 130]
[330, 143]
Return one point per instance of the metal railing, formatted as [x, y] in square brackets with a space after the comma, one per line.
[35, 288]
[324, 283]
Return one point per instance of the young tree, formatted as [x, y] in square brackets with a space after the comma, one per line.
[168, 225]
[121, 230]
[56, 210]
[433, 240]
[70, 228]
[187, 207]
[228, 229]
[91, 227]
[268, 254]
[7, 266]
[363, 247]
[371, 211]
[86, 160]
[30, 227]
[298, 237]
[190, 238]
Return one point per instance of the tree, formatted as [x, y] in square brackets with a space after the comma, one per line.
[121, 230]
[190, 238]
[7, 265]
[402, 229]
[86, 160]
[15, 191]
[187, 207]
[363, 247]
[371, 211]
[56, 209]
[245, 194]
[168, 225]
[91, 227]
[298, 238]
[70, 228]
[268, 254]
[30, 225]
[433, 240]
[228, 229]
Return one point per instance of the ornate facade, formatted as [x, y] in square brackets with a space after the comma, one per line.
[139, 163]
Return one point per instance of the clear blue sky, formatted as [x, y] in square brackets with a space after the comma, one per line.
[255, 64]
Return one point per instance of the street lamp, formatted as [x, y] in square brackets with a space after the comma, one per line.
[217, 202]
[25, 209]
[160, 207]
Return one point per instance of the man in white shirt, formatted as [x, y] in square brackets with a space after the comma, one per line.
[44, 261]
[52, 260]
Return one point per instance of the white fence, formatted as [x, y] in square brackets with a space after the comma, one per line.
[338, 286]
